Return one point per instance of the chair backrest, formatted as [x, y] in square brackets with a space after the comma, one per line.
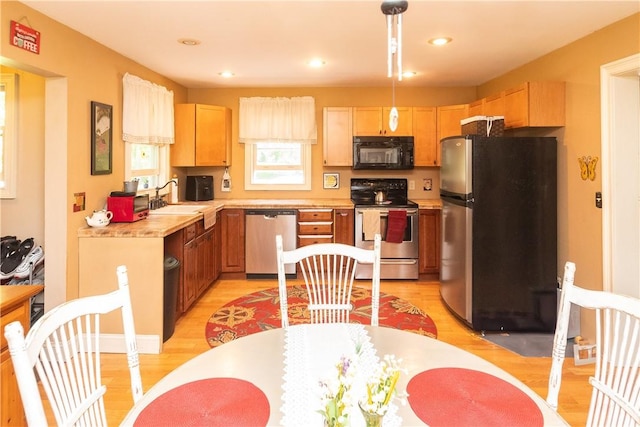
[615, 399]
[329, 270]
[63, 347]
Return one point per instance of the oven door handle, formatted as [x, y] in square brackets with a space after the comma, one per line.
[403, 262]
[386, 213]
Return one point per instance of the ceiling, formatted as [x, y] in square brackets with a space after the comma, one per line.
[268, 43]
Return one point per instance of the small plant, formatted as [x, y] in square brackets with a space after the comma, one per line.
[336, 395]
[381, 386]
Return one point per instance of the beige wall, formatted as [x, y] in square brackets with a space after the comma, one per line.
[23, 216]
[578, 64]
[94, 72]
[324, 97]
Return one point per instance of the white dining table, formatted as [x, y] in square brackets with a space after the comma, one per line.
[263, 359]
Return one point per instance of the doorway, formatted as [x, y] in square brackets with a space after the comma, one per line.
[620, 90]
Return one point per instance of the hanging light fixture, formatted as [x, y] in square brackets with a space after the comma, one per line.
[393, 11]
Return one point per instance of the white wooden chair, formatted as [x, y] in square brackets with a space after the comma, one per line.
[615, 400]
[64, 349]
[329, 270]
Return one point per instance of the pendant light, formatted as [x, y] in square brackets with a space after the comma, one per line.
[393, 10]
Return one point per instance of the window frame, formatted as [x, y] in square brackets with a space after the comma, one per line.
[162, 172]
[10, 136]
[250, 165]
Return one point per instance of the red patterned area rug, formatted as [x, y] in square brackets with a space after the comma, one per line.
[260, 311]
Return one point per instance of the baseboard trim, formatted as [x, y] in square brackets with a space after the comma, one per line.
[114, 343]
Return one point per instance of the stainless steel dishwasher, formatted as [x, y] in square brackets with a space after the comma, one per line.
[262, 226]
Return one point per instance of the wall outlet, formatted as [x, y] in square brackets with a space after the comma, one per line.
[412, 185]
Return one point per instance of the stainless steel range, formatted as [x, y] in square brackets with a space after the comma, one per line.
[382, 205]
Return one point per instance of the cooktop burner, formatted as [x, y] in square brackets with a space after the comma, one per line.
[390, 192]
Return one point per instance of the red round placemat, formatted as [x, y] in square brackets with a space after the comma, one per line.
[210, 402]
[464, 397]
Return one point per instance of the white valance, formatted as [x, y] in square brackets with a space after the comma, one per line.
[278, 120]
[147, 112]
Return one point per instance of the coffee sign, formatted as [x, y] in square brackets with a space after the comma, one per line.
[24, 37]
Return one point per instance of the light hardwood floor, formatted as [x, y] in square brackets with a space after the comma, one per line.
[189, 341]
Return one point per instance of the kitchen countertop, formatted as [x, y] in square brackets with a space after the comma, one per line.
[164, 225]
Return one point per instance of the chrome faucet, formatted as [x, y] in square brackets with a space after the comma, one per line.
[157, 201]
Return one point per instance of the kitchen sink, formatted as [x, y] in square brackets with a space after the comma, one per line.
[177, 210]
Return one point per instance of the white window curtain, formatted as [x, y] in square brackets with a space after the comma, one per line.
[147, 112]
[278, 120]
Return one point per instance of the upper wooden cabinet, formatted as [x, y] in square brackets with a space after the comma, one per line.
[203, 136]
[490, 106]
[371, 121]
[449, 118]
[535, 104]
[337, 136]
[425, 152]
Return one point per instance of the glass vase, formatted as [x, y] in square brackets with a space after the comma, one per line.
[371, 419]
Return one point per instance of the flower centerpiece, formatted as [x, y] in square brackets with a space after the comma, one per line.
[336, 395]
[381, 388]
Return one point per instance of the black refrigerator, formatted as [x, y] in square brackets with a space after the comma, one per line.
[499, 232]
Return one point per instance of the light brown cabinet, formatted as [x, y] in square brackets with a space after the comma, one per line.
[429, 241]
[535, 104]
[16, 306]
[449, 117]
[232, 229]
[202, 136]
[490, 106]
[425, 152]
[371, 121]
[337, 136]
[217, 248]
[344, 226]
[315, 226]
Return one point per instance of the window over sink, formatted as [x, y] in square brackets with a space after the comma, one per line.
[277, 166]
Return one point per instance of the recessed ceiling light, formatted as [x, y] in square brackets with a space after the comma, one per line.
[440, 41]
[316, 63]
[226, 74]
[409, 74]
[189, 42]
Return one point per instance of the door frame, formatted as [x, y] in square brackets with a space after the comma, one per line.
[620, 120]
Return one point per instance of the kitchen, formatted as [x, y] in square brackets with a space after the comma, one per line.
[580, 135]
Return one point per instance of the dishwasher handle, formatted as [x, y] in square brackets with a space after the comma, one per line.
[270, 213]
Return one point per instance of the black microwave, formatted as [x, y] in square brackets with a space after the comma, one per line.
[383, 152]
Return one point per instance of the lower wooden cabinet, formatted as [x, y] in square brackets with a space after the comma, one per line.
[15, 306]
[315, 226]
[429, 241]
[232, 229]
[343, 224]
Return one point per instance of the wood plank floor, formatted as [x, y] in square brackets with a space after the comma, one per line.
[188, 341]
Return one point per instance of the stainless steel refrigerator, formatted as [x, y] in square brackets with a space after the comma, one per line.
[499, 238]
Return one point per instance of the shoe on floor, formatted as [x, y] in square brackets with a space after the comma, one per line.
[35, 257]
[14, 259]
[7, 246]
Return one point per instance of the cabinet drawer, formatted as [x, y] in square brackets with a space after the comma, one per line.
[190, 233]
[312, 240]
[21, 314]
[315, 227]
[306, 215]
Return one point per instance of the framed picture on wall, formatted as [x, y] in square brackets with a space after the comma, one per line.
[101, 138]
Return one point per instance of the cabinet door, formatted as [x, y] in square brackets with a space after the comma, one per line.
[190, 274]
[213, 136]
[405, 121]
[204, 245]
[344, 226]
[424, 135]
[516, 102]
[183, 150]
[217, 248]
[476, 108]
[449, 121]
[367, 121]
[494, 105]
[337, 136]
[232, 240]
[12, 412]
[429, 244]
